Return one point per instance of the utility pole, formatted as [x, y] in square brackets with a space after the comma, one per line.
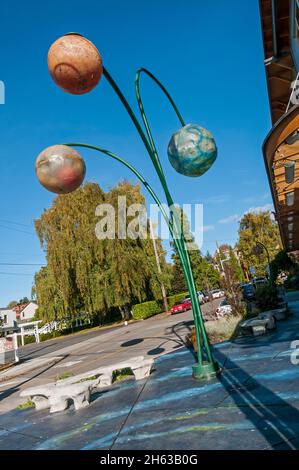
[221, 260]
[158, 264]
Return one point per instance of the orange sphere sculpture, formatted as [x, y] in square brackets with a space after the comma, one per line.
[75, 64]
[60, 169]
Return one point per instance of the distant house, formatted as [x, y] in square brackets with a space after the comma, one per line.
[25, 312]
[8, 323]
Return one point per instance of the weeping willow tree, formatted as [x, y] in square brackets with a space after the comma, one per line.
[88, 274]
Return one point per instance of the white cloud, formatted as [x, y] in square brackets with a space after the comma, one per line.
[266, 207]
[207, 228]
[221, 198]
[235, 217]
[229, 219]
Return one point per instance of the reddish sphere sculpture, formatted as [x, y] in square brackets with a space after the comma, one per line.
[60, 169]
[75, 64]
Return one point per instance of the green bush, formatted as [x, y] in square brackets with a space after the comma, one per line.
[146, 309]
[153, 307]
[27, 340]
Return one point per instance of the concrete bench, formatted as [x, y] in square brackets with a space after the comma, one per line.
[259, 325]
[278, 313]
[78, 389]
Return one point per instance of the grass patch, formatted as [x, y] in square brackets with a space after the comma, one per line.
[223, 329]
[64, 375]
[122, 374]
[92, 377]
[27, 404]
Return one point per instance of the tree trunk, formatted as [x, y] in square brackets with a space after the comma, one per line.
[125, 312]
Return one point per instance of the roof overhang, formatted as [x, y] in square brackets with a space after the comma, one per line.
[280, 149]
[280, 70]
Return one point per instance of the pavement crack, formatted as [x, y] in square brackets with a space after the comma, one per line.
[129, 414]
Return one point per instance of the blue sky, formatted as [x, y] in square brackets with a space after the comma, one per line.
[210, 57]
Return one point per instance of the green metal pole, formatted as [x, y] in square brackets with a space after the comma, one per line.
[268, 258]
[175, 237]
[209, 368]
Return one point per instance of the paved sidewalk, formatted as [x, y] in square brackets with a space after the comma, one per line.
[253, 404]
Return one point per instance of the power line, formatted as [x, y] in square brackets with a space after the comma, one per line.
[17, 274]
[16, 230]
[22, 264]
[15, 223]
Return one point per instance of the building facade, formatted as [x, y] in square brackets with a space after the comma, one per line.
[8, 321]
[25, 312]
[280, 30]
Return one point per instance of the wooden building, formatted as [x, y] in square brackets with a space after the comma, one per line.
[280, 29]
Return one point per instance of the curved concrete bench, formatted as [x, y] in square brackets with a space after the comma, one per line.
[278, 313]
[260, 324]
[78, 389]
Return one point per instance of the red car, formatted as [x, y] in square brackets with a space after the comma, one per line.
[181, 306]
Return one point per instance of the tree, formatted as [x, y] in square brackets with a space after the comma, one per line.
[233, 276]
[84, 273]
[14, 303]
[258, 227]
[281, 263]
[228, 261]
[23, 300]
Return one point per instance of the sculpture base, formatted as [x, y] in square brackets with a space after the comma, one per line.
[205, 371]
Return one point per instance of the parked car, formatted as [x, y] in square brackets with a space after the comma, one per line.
[248, 291]
[201, 296]
[181, 306]
[217, 293]
[259, 281]
[224, 309]
[207, 295]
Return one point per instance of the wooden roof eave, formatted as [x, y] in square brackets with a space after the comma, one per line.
[285, 126]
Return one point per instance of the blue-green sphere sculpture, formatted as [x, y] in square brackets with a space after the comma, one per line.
[192, 150]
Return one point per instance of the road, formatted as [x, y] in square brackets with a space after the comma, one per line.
[50, 360]
[34, 350]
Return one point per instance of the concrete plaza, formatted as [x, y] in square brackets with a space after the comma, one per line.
[253, 404]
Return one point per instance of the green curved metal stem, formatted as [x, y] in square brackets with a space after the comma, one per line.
[141, 107]
[139, 176]
[180, 242]
[149, 133]
[129, 166]
[198, 320]
[140, 131]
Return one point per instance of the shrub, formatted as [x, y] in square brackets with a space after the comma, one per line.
[153, 307]
[146, 309]
[217, 331]
[223, 329]
[27, 340]
[266, 297]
